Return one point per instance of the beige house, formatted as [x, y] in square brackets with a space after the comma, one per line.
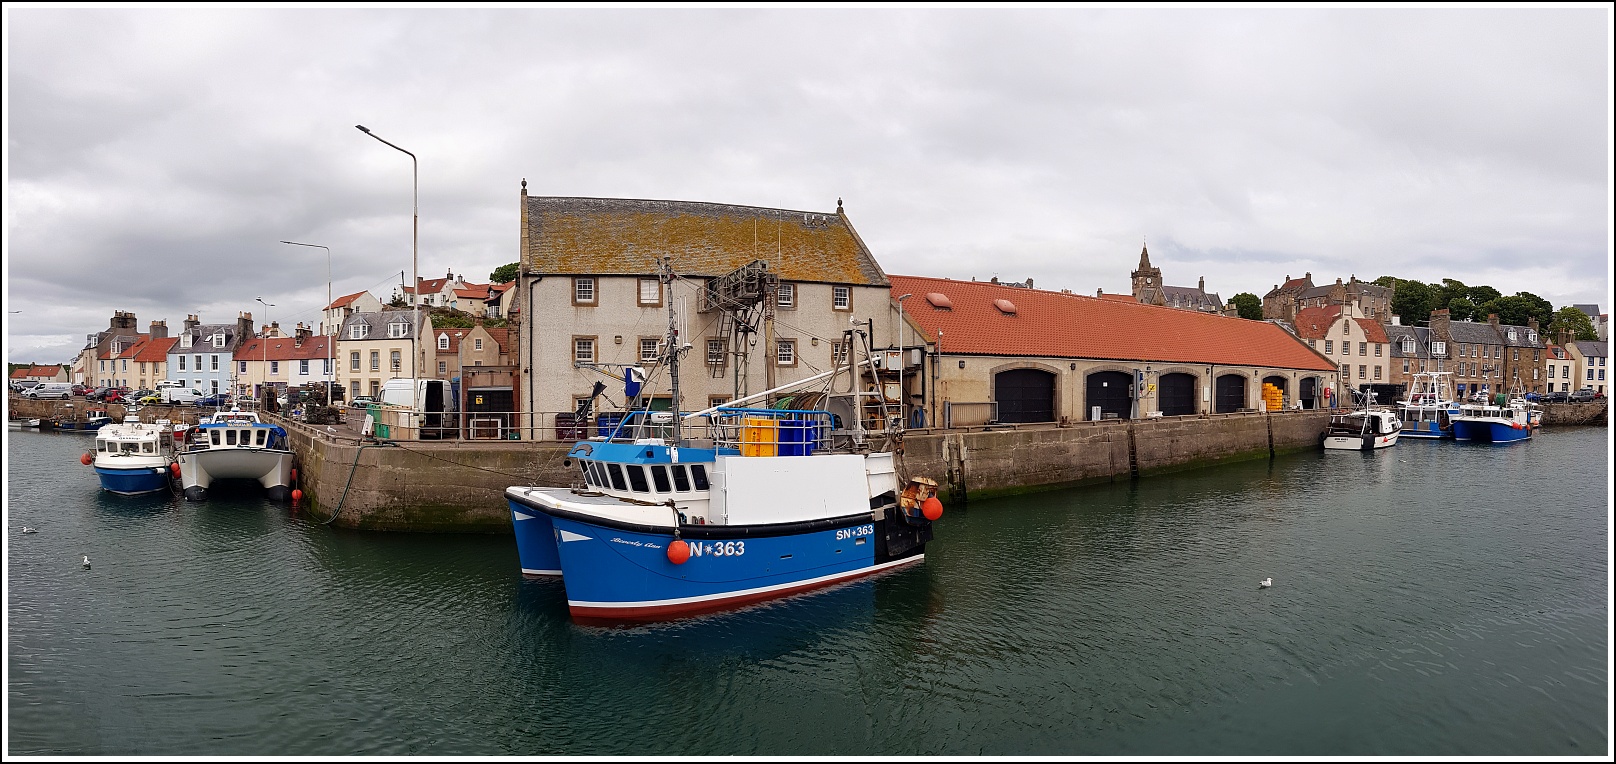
[341, 308]
[590, 302]
[1358, 345]
[1589, 360]
[451, 349]
[282, 361]
[375, 347]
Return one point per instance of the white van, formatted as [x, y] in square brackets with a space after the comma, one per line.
[180, 395]
[63, 390]
[162, 383]
[430, 402]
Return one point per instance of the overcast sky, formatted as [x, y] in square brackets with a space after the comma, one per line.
[156, 157]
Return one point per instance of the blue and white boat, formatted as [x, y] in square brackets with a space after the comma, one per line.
[1427, 413]
[678, 514]
[235, 445]
[132, 457]
[1490, 423]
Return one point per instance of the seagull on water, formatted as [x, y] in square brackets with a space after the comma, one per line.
[26, 529]
[1265, 583]
[86, 562]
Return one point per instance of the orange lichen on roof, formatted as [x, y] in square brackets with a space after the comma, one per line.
[625, 236]
[1059, 325]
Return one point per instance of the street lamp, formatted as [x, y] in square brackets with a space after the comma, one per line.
[415, 247]
[264, 340]
[328, 343]
[903, 395]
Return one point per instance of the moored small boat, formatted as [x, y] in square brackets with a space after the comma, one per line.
[1491, 423]
[132, 457]
[1362, 430]
[235, 445]
[1427, 412]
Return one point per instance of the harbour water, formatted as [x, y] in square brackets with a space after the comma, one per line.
[1431, 599]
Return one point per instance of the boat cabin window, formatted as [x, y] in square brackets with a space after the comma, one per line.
[597, 475]
[130, 448]
[213, 435]
[230, 437]
[147, 448]
[616, 472]
[659, 476]
[636, 479]
[699, 474]
[681, 481]
[261, 435]
[101, 446]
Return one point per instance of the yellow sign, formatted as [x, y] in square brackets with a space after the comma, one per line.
[479, 400]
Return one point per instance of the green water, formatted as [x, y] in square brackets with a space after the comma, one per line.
[1433, 599]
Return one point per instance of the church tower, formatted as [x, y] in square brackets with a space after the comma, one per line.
[1147, 281]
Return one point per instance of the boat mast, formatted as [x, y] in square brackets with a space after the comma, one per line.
[665, 271]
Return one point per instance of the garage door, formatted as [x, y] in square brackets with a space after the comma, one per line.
[1025, 395]
[1176, 394]
[1309, 389]
[1230, 393]
[1110, 390]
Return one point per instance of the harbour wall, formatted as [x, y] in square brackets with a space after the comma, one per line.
[459, 486]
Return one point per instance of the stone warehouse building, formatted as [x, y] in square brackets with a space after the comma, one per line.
[1027, 355]
[590, 302]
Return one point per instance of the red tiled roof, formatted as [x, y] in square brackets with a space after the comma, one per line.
[1372, 330]
[495, 290]
[344, 300]
[472, 294]
[20, 373]
[1295, 283]
[1315, 322]
[428, 286]
[1058, 325]
[154, 350]
[1119, 297]
[283, 349]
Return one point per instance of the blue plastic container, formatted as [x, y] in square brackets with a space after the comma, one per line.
[608, 423]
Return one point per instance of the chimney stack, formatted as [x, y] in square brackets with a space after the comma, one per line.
[1203, 284]
[1492, 318]
[191, 322]
[302, 334]
[244, 327]
[159, 330]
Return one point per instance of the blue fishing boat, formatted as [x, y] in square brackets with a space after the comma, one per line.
[1427, 413]
[132, 457]
[675, 514]
[1492, 423]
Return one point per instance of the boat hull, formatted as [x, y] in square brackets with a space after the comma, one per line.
[132, 481]
[1359, 442]
[270, 468]
[1426, 431]
[1490, 431]
[535, 541]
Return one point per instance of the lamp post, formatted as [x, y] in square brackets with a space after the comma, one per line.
[415, 247]
[903, 395]
[329, 362]
[264, 340]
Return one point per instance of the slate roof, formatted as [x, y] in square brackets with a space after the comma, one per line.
[1190, 297]
[378, 321]
[1060, 325]
[573, 235]
[1591, 309]
[1422, 341]
[285, 348]
[1521, 335]
[200, 338]
[1590, 348]
[1474, 333]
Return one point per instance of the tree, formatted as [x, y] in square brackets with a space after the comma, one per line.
[1513, 310]
[504, 273]
[397, 300]
[449, 318]
[1450, 289]
[1413, 301]
[1575, 321]
[1540, 308]
[1481, 294]
[1390, 282]
[1248, 304]
[1461, 309]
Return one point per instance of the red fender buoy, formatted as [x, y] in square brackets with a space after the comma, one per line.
[294, 474]
[931, 508]
[678, 552]
[297, 495]
[174, 467]
[86, 459]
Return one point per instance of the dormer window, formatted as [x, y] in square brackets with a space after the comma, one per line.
[185, 340]
[1531, 336]
[443, 342]
[1408, 345]
[359, 331]
[1511, 334]
[218, 339]
[1439, 348]
[398, 329]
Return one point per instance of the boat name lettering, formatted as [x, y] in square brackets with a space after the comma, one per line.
[862, 530]
[718, 549]
[645, 544]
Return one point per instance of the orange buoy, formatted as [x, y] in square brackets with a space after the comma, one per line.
[174, 467]
[678, 552]
[294, 474]
[931, 508]
[86, 459]
[297, 495]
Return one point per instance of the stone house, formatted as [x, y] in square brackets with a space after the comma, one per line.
[1358, 345]
[341, 308]
[1149, 289]
[375, 347]
[591, 304]
[1523, 356]
[1001, 354]
[1368, 300]
[88, 367]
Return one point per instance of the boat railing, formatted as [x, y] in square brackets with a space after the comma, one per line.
[772, 432]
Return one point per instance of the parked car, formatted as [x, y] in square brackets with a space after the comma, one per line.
[219, 399]
[115, 395]
[80, 389]
[150, 398]
[361, 401]
[99, 393]
[1585, 394]
[61, 390]
[1556, 396]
